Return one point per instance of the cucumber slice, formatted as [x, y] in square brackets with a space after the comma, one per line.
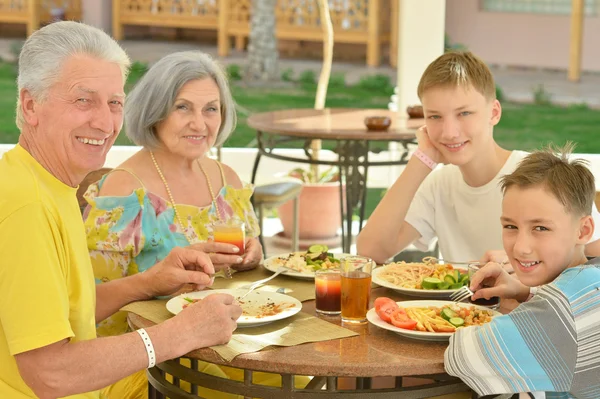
[431, 283]
[449, 279]
[317, 249]
[456, 276]
[448, 314]
[457, 321]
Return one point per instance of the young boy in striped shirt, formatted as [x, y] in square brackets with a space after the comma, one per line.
[551, 342]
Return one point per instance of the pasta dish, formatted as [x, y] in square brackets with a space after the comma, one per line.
[424, 275]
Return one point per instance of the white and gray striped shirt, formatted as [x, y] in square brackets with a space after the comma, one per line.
[550, 344]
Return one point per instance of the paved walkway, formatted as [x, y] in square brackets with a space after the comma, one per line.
[517, 84]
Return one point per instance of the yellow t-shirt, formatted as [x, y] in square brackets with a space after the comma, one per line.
[47, 290]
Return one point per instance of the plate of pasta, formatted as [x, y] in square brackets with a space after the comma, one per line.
[426, 279]
[303, 264]
[427, 320]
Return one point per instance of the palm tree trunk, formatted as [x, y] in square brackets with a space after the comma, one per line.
[262, 43]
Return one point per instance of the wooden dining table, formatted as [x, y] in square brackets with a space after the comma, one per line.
[373, 353]
[344, 131]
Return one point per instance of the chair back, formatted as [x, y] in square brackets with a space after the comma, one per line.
[92, 177]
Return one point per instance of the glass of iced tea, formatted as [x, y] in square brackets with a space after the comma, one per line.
[328, 291]
[231, 232]
[356, 288]
[493, 302]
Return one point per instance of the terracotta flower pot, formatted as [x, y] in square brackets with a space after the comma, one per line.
[319, 215]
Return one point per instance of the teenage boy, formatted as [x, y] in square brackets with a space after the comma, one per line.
[460, 202]
[551, 342]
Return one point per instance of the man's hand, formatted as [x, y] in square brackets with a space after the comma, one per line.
[252, 257]
[426, 145]
[182, 266]
[210, 321]
[493, 281]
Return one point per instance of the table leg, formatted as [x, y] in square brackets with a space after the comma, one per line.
[353, 165]
[255, 167]
[258, 155]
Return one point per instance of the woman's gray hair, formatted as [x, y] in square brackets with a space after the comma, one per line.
[45, 51]
[153, 97]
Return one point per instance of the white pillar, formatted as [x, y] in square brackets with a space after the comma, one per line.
[98, 13]
[421, 28]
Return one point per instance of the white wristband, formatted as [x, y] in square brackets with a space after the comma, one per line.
[149, 347]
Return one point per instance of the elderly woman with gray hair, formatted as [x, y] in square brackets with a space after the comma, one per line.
[170, 193]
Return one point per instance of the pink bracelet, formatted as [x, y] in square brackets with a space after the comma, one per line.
[425, 158]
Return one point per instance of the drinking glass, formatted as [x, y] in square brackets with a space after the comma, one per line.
[493, 302]
[356, 288]
[328, 291]
[231, 232]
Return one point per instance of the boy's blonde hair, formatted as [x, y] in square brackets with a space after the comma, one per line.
[458, 68]
[571, 182]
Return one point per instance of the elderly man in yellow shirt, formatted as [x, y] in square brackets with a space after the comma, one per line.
[70, 111]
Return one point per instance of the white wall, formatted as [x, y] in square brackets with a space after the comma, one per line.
[522, 39]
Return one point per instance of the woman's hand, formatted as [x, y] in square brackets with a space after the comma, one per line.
[222, 255]
[252, 257]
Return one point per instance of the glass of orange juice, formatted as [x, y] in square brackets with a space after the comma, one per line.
[231, 232]
[356, 288]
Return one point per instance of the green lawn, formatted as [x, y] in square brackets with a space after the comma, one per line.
[523, 126]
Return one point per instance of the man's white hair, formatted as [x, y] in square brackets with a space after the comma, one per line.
[46, 50]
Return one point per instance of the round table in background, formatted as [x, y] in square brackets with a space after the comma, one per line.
[352, 142]
[373, 353]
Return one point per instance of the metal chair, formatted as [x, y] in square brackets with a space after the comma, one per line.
[273, 195]
[92, 177]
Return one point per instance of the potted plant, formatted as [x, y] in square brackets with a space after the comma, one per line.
[319, 217]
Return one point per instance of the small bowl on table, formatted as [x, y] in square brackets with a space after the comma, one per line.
[378, 123]
[415, 112]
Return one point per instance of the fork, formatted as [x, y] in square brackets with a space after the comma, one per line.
[462, 294]
[223, 273]
[258, 283]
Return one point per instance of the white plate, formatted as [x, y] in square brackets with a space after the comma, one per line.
[435, 294]
[272, 264]
[252, 305]
[422, 335]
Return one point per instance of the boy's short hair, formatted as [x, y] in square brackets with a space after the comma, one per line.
[571, 182]
[458, 68]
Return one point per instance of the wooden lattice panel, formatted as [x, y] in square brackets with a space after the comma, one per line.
[72, 9]
[7, 6]
[170, 8]
[240, 11]
[346, 15]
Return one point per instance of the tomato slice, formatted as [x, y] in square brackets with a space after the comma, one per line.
[401, 320]
[385, 311]
[383, 300]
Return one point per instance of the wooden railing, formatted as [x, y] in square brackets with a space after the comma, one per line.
[354, 21]
[35, 12]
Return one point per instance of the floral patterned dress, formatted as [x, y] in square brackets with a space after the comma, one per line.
[128, 235]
